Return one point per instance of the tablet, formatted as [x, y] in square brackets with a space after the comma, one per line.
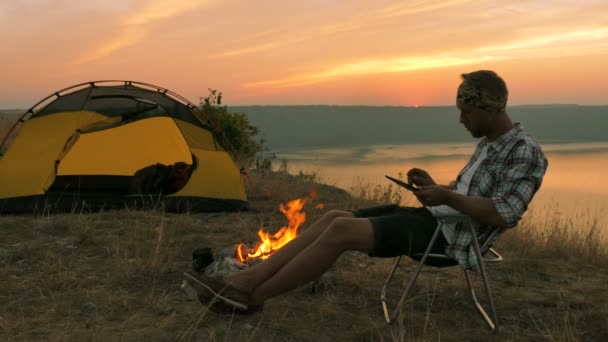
[408, 186]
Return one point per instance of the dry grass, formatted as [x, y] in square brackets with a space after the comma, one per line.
[116, 276]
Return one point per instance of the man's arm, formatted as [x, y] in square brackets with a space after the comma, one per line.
[510, 200]
[520, 182]
[451, 185]
[479, 208]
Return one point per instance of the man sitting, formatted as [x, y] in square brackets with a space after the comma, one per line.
[494, 188]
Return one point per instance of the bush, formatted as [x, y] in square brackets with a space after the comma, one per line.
[236, 133]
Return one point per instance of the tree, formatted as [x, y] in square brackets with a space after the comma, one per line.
[235, 132]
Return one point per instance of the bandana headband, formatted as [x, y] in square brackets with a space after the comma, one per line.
[479, 98]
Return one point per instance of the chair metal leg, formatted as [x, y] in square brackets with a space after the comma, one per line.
[496, 257]
[478, 306]
[492, 322]
[390, 318]
[387, 316]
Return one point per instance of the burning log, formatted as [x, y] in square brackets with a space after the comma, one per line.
[269, 243]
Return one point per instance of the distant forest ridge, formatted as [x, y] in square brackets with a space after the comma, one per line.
[326, 125]
[11, 112]
[306, 126]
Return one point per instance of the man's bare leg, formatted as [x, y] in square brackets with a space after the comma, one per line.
[342, 234]
[255, 275]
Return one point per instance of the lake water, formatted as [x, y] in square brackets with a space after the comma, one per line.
[574, 185]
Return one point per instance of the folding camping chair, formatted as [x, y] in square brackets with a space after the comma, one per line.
[486, 241]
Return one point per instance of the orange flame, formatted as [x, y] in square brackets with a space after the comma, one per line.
[320, 206]
[272, 242]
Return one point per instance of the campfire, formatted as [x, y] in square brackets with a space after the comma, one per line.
[270, 243]
[240, 257]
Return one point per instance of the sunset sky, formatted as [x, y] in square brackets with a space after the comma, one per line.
[344, 52]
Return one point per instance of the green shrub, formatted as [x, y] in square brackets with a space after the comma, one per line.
[236, 133]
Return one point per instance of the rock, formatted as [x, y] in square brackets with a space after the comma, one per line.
[248, 326]
[325, 282]
[225, 266]
[189, 291]
[228, 252]
[65, 244]
[165, 310]
[88, 308]
[201, 258]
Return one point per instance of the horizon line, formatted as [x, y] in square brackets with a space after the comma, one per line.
[413, 106]
[388, 105]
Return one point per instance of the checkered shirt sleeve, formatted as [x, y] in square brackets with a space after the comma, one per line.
[520, 180]
[510, 175]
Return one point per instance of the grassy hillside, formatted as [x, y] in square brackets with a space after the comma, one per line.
[116, 276]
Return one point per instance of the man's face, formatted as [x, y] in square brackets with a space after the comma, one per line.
[474, 119]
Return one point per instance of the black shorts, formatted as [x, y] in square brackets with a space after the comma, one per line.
[402, 231]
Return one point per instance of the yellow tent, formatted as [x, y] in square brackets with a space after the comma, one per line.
[88, 144]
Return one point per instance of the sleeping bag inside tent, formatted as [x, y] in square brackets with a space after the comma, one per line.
[117, 144]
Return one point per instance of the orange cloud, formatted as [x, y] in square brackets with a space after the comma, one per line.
[372, 66]
[598, 36]
[293, 37]
[416, 7]
[578, 42]
[257, 48]
[136, 25]
[155, 10]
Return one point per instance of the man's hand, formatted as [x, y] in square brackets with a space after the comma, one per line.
[419, 177]
[432, 195]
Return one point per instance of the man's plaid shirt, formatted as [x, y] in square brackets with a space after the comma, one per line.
[510, 175]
